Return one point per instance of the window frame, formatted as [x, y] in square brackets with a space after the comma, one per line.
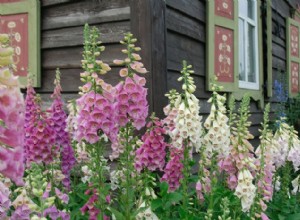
[215, 19]
[254, 22]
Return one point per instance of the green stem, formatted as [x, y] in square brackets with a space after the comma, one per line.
[101, 186]
[186, 170]
[128, 171]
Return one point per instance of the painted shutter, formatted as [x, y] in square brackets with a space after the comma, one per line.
[21, 19]
[222, 50]
[293, 55]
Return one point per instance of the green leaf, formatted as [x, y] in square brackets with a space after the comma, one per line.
[164, 188]
[117, 214]
[174, 197]
[281, 217]
[156, 204]
[293, 217]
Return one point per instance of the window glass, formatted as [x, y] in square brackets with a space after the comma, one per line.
[251, 54]
[248, 46]
[242, 72]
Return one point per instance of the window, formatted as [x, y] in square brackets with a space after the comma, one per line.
[248, 45]
[234, 33]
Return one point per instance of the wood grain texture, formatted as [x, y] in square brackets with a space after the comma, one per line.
[73, 36]
[179, 48]
[191, 8]
[81, 12]
[184, 25]
[45, 3]
[70, 57]
[70, 79]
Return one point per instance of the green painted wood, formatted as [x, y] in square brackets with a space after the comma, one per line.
[289, 58]
[212, 21]
[269, 49]
[32, 7]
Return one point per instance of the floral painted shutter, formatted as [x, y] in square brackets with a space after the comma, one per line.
[222, 37]
[20, 19]
[293, 55]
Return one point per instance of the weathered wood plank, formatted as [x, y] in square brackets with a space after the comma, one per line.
[70, 79]
[54, 2]
[79, 13]
[278, 29]
[278, 64]
[279, 51]
[110, 33]
[71, 57]
[47, 100]
[278, 41]
[184, 25]
[181, 48]
[199, 82]
[256, 118]
[192, 8]
[282, 7]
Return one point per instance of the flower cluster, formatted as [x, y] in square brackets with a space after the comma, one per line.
[131, 101]
[240, 162]
[245, 189]
[151, 154]
[287, 146]
[132, 105]
[95, 113]
[40, 139]
[62, 138]
[96, 106]
[217, 138]
[187, 121]
[173, 170]
[11, 117]
[4, 200]
[90, 207]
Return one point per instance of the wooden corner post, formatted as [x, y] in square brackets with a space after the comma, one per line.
[148, 25]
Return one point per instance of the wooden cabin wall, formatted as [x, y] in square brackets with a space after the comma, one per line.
[280, 11]
[186, 40]
[62, 23]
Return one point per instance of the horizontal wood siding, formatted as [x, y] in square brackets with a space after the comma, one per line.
[280, 11]
[185, 24]
[62, 40]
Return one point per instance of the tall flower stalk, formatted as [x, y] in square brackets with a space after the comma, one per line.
[132, 110]
[63, 140]
[95, 121]
[216, 146]
[265, 169]
[185, 136]
[11, 116]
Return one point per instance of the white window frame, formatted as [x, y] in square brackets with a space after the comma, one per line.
[254, 23]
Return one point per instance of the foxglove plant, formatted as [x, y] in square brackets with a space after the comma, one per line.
[265, 169]
[62, 138]
[131, 113]
[95, 119]
[11, 116]
[240, 162]
[151, 155]
[39, 197]
[40, 143]
[216, 146]
[185, 136]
